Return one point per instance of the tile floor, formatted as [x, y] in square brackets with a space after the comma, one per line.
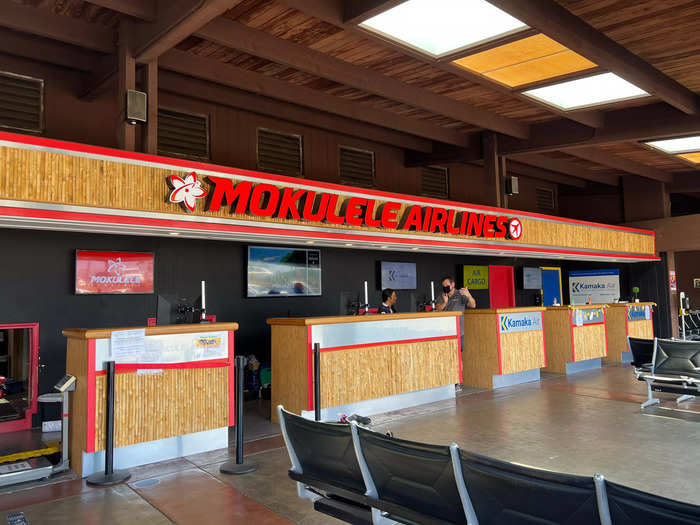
[581, 424]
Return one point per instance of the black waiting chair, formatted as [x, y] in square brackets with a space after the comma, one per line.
[506, 494]
[675, 368]
[642, 352]
[633, 507]
[410, 482]
[325, 467]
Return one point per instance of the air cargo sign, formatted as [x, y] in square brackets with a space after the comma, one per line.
[268, 200]
[519, 322]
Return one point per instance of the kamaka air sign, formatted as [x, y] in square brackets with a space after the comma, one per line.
[269, 200]
[113, 272]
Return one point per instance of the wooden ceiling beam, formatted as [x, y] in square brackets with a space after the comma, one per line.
[225, 74]
[177, 20]
[525, 170]
[258, 43]
[357, 11]
[615, 161]
[649, 122]
[569, 168]
[48, 51]
[141, 9]
[569, 30]
[331, 11]
[43, 23]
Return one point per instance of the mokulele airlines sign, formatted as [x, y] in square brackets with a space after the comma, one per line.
[268, 200]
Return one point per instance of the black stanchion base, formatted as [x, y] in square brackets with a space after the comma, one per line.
[101, 479]
[231, 467]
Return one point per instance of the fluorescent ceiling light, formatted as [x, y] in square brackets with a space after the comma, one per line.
[588, 91]
[439, 27]
[679, 145]
[691, 157]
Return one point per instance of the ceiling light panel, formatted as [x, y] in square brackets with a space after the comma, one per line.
[678, 145]
[691, 157]
[585, 92]
[440, 27]
[525, 61]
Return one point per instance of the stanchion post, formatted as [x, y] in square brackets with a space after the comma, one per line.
[239, 466]
[317, 382]
[109, 476]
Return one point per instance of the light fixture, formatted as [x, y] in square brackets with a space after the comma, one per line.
[440, 27]
[348, 244]
[384, 247]
[309, 242]
[415, 248]
[589, 91]
[691, 157]
[678, 145]
[174, 233]
[532, 59]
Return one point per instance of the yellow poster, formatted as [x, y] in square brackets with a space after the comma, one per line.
[476, 277]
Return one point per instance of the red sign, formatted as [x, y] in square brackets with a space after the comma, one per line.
[113, 272]
[268, 200]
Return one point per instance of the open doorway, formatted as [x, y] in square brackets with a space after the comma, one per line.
[19, 346]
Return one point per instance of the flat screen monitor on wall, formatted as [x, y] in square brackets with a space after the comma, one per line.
[283, 272]
[398, 275]
[532, 278]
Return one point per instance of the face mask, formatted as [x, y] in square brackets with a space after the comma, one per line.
[446, 289]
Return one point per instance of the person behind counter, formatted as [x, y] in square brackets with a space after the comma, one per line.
[454, 300]
[388, 301]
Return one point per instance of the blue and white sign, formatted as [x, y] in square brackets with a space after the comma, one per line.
[398, 275]
[602, 286]
[519, 322]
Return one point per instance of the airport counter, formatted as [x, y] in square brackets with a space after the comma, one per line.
[369, 364]
[174, 388]
[503, 346]
[627, 319]
[576, 337]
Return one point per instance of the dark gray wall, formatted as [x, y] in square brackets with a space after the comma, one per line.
[37, 279]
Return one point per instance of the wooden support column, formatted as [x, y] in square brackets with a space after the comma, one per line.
[674, 301]
[151, 135]
[492, 169]
[126, 133]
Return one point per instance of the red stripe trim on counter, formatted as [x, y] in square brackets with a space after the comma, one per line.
[130, 367]
[384, 343]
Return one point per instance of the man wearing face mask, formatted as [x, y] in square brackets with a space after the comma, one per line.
[453, 299]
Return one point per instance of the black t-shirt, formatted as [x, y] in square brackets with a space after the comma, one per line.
[384, 309]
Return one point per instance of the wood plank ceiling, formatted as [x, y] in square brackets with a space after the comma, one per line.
[663, 34]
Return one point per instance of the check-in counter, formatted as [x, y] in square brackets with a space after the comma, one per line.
[369, 363]
[173, 394]
[627, 319]
[576, 337]
[503, 346]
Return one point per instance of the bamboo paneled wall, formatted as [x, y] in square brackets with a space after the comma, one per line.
[557, 331]
[617, 333]
[39, 176]
[521, 351]
[589, 341]
[289, 362]
[641, 329]
[157, 406]
[480, 352]
[77, 365]
[353, 375]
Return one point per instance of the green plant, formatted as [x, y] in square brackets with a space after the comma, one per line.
[635, 291]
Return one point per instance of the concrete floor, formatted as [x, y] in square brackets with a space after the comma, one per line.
[582, 424]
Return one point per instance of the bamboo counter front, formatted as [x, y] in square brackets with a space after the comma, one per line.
[627, 319]
[369, 363]
[173, 394]
[503, 346]
[576, 337]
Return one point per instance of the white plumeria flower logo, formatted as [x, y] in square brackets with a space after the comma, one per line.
[186, 191]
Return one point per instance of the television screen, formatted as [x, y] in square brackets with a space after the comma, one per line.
[398, 275]
[283, 272]
[101, 272]
[532, 278]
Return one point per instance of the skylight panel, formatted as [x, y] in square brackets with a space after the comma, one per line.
[679, 145]
[440, 27]
[588, 91]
